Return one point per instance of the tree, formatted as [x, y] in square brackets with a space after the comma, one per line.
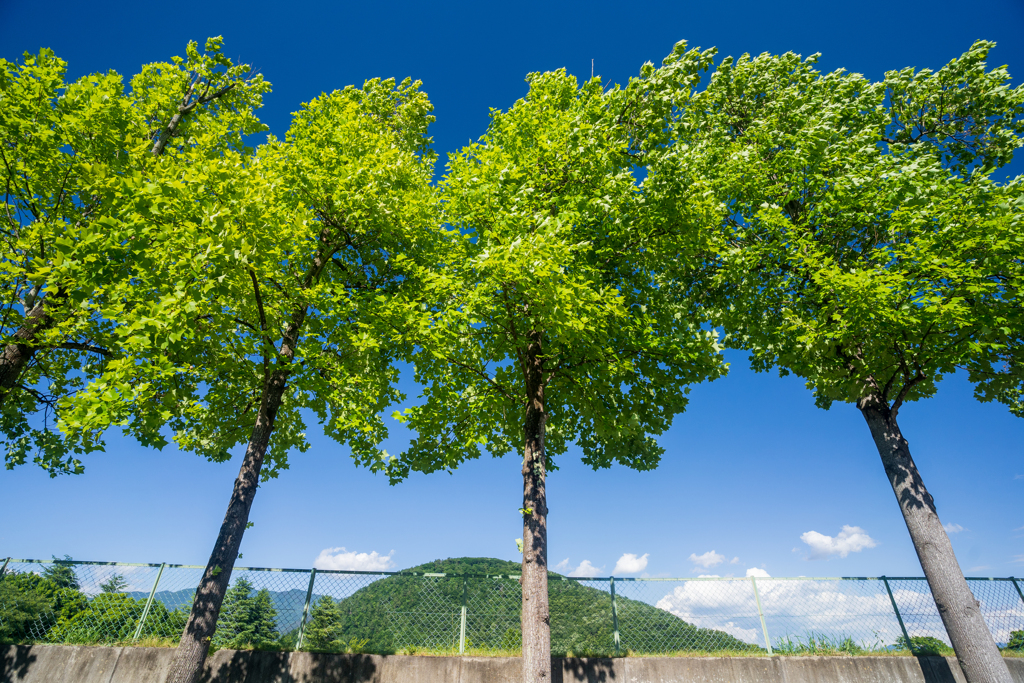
[549, 327]
[61, 573]
[278, 292]
[865, 247]
[249, 619]
[106, 618]
[115, 584]
[923, 645]
[32, 605]
[323, 632]
[80, 163]
[20, 608]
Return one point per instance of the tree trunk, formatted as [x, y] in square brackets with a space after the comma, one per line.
[202, 621]
[17, 354]
[975, 647]
[536, 619]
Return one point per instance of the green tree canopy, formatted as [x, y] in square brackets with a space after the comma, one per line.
[865, 247]
[83, 168]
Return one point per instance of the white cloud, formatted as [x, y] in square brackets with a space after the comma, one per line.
[630, 564]
[852, 539]
[1018, 559]
[585, 570]
[797, 607]
[339, 558]
[952, 528]
[979, 568]
[734, 560]
[708, 559]
[563, 566]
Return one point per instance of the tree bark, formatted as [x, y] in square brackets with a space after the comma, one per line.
[975, 648]
[202, 621]
[536, 617]
[17, 354]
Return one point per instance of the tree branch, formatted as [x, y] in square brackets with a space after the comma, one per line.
[74, 346]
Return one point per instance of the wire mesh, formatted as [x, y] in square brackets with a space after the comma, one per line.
[1001, 607]
[63, 602]
[493, 611]
[826, 615]
[104, 603]
[581, 617]
[697, 615]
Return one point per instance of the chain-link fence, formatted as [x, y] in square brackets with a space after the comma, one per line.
[65, 601]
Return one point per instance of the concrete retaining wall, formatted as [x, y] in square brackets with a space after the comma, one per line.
[79, 664]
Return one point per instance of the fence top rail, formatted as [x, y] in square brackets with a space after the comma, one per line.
[502, 576]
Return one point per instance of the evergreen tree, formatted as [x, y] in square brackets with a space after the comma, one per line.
[247, 621]
[262, 632]
[116, 584]
[234, 614]
[323, 632]
[61, 573]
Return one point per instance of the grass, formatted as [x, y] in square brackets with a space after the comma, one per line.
[813, 645]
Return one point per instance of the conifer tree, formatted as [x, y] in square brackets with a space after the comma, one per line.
[323, 632]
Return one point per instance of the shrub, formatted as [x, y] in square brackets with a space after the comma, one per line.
[924, 645]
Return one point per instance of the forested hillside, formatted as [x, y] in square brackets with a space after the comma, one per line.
[413, 612]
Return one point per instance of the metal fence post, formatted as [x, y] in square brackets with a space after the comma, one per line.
[1012, 580]
[305, 609]
[615, 618]
[462, 625]
[4, 568]
[899, 617]
[764, 627]
[149, 603]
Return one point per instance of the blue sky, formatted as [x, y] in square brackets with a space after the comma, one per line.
[750, 470]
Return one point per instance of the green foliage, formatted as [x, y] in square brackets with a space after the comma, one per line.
[1016, 641]
[61, 573]
[116, 584]
[291, 267]
[543, 259]
[323, 631]
[820, 644]
[107, 618]
[862, 244]
[247, 620]
[52, 599]
[20, 608]
[86, 202]
[924, 645]
[403, 612]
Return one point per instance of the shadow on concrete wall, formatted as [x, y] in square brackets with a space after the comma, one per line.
[350, 668]
[936, 670]
[245, 666]
[576, 670]
[15, 663]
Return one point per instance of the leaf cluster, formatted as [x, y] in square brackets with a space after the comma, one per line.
[862, 243]
[549, 245]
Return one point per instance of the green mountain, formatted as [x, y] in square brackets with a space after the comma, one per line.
[417, 613]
